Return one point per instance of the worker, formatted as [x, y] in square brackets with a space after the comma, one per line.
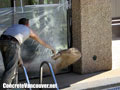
[10, 42]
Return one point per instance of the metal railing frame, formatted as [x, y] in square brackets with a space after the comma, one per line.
[52, 73]
[26, 75]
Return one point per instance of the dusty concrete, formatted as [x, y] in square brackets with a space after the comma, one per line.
[92, 35]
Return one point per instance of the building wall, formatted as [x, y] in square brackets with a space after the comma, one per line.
[92, 35]
[115, 8]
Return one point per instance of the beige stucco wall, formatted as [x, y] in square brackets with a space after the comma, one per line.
[92, 34]
[115, 8]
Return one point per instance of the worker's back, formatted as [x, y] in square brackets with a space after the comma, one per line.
[18, 31]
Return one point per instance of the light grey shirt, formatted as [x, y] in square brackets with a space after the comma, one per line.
[18, 31]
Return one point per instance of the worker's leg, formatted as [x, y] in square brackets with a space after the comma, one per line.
[10, 57]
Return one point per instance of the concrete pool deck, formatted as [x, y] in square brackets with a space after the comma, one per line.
[73, 81]
[95, 81]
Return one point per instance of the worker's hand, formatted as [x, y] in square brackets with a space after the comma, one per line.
[53, 51]
[20, 63]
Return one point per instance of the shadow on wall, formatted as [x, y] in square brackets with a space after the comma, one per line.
[116, 28]
[116, 32]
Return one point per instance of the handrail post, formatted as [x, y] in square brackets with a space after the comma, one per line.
[41, 75]
[51, 70]
[26, 75]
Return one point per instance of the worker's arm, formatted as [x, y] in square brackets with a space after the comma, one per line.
[34, 36]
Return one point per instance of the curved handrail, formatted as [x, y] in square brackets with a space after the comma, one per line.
[26, 75]
[51, 70]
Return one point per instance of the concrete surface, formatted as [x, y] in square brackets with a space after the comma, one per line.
[95, 81]
[92, 35]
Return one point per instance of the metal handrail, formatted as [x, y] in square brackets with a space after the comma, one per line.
[52, 73]
[26, 75]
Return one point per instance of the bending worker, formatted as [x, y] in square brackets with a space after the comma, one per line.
[10, 42]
